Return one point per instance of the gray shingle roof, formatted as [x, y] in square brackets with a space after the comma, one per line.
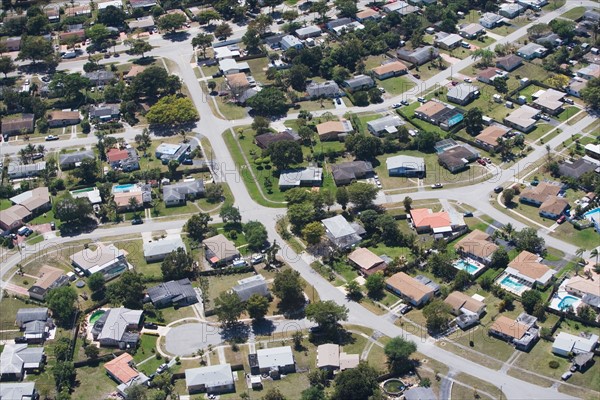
[176, 291]
[179, 191]
[25, 315]
[73, 158]
[163, 246]
[17, 390]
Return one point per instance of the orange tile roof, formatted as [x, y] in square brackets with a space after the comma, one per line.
[424, 217]
[540, 192]
[430, 108]
[115, 154]
[394, 66]
[120, 368]
[458, 300]
[122, 199]
[527, 264]
[491, 134]
[330, 127]
[365, 258]
[366, 13]
[477, 243]
[509, 327]
[554, 205]
[409, 286]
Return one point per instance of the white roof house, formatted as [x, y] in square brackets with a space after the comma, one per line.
[92, 194]
[388, 124]
[309, 31]
[253, 285]
[18, 357]
[224, 52]
[106, 259]
[214, 378]
[275, 357]
[158, 249]
[565, 343]
[290, 41]
[231, 66]
[17, 391]
[341, 232]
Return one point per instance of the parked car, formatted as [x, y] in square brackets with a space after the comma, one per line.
[21, 339]
[338, 100]
[52, 225]
[405, 309]
[162, 368]
[37, 156]
[396, 105]
[188, 161]
[421, 99]
[561, 219]
[240, 262]
[566, 375]
[569, 101]
[137, 221]
[545, 117]
[404, 102]
[417, 76]
[482, 162]
[382, 90]
[465, 45]
[437, 186]
[468, 214]
[51, 137]
[468, 80]
[257, 259]
[150, 325]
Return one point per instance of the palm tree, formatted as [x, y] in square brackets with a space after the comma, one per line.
[508, 230]
[41, 149]
[580, 261]
[595, 253]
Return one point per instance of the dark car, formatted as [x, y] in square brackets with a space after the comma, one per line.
[498, 189]
[217, 74]
[52, 225]
[468, 214]
[137, 221]
[21, 339]
[150, 325]
[28, 232]
[188, 161]
[406, 309]
[338, 101]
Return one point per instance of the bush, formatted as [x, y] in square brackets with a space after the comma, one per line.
[553, 364]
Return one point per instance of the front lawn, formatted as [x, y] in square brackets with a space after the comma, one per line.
[397, 85]
[575, 13]
[587, 238]
[538, 360]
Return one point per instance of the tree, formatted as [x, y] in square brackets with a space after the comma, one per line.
[172, 110]
[326, 314]
[205, 17]
[212, 86]
[223, 31]
[499, 259]
[7, 65]
[462, 280]
[486, 56]
[252, 40]
[87, 171]
[362, 194]
[356, 383]
[474, 121]
[375, 284]
[440, 264]
[72, 211]
[257, 306]
[214, 193]
[563, 28]
[136, 392]
[112, 16]
[98, 34]
[361, 98]
[197, 226]
[288, 286]
[91, 352]
[529, 299]
[341, 197]
[128, 290]
[139, 47]
[178, 265]
[347, 8]
[64, 375]
[353, 291]
[437, 315]
[269, 101]
[313, 393]
[256, 235]
[306, 133]
[591, 93]
[500, 85]
[425, 141]
[62, 349]
[398, 352]
[62, 303]
[171, 22]
[228, 308]
[313, 232]
[527, 239]
[285, 153]
[36, 48]
[202, 41]
[96, 282]
[407, 204]
[297, 77]
[153, 82]
[374, 93]
[273, 393]
[230, 213]
[507, 196]
[587, 313]
[69, 86]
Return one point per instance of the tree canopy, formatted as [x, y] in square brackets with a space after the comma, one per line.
[269, 101]
[256, 235]
[257, 306]
[398, 352]
[288, 286]
[197, 226]
[285, 153]
[178, 265]
[228, 308]
[62, 303]
[326, 314]
[128, 290]
[356, 383]
[171, 22]
[362, 194]
[172, 110]
[36, 48]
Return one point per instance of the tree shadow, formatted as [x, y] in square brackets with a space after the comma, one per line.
[338, 335]
[236, 333]
[176, 36]
[147, 60]
[263, 327]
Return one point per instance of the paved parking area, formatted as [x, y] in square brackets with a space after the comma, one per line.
[183, 340]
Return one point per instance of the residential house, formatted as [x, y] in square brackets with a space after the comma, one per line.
[341, 233]
[410, 289]
[280, 359]
[491, 20]
[248, 287]
[575, 87]
[406, 166]
[101, 77]
[577, 168]
[591, 16]
[134, 71]
[219, 251]
[348, 172]
[366, 261]
[457, 157]
[18, 391]
[16, 170]
[488, 138]
[440, 114]
[400, 7]
[383, 125]
[341, 26]
[566, 344]
[509, 62]
[289, 42]
[121, 370]
[584, 288]
[157, 250]
[177, 194]
[463, 94]
[590, 72]
[17, 359]
[26, 315]
[17, 124]
[523, 118]
[223, 52]
[308, 176]
[63, 118]
[330, 358]
[553, 207]
[467, 309]
[522, 332]
[478, 246]
[237, 83]
[230, 66]
[528, 269]
[488, 75]
[592, 150]
[328, 89]
[166, 152]
[13, 43]
[124, 201]
[308, 32]
[266, 139]
[211, 379]
[108, 260]
[334, 130]
[77, 34]
[178, 293]
[536, 195]
[84, 9]
[447, 41]
[549, 101]
[68, 161]
[368, 14]
[550, 40]
[511, 10]
[35, 323]
[125, 159]
[26, 206]
[118, 327]
[105, 112]
[145, 4]
[359, 82]
[424, 221]
[52, 278]
[533, 4]
[143, 24]
[418, 56]
[471, 31]
[390, 69]
[531, 51]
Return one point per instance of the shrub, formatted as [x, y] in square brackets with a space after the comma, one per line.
[553, 364]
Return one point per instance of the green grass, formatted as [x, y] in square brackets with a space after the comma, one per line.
[587, 238]
[567, 113]
[9, 307]
[574, 13]
[206, 206]
[397, 85]
[35, 239]
[135, 256]
[171, 314]
[93, 383]
[393, 252]
[345, 270]
[356, 345]
[44, 218]
[538, 358]
[258, 69]
[220, 284]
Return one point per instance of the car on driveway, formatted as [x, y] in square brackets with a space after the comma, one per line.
[406, 308]
[338, 101]
[421, 99]
[562, 219]
[545, 117]
[150, 325]
[162, 368]
[257, 259]
[566, 375]
[482, 162]
[404, 102]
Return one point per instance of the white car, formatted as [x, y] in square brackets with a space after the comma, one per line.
[437, 186]
[421, 99]
[382, 90]
[545, 117]
[51, 137]
[396, 105]
[468, 80]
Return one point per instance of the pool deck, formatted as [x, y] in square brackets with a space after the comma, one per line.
[510, 289]
[480, 267]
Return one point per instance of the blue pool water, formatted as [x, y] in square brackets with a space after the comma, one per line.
[567, 301]
[123, 188]
[595, 213]
[512, 284]
[466, 266]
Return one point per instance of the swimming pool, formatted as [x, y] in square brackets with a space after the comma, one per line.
[595, 214]
[512, 284]
[123, 188]
[466, 266]
[96, 316]
[567, 301]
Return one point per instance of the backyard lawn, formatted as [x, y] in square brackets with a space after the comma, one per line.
[93, 383]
